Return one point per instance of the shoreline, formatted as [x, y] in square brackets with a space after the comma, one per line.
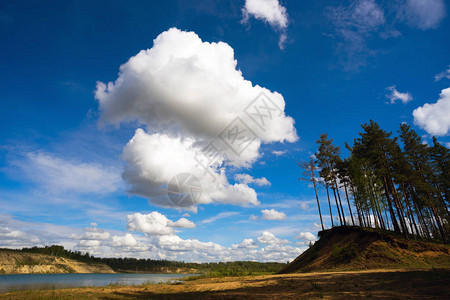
[392, 283]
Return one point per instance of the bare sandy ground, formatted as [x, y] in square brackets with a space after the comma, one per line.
[377, 284]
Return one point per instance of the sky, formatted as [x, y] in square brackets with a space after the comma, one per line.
[105, 106]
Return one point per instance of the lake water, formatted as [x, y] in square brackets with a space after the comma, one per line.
[57, 281]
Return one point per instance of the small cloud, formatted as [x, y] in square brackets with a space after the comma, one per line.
[396, 95]
[306, 238]
[219, 216]
[443, 74]
[304, 205]
[253, 217]
[269, 238]
[423, 14]
[156, 223]
[246, 244]
[268, 11]
[183, 223]
[272, 214]
[247, 179]
[279, 153]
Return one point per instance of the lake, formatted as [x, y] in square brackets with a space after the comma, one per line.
[57, 281]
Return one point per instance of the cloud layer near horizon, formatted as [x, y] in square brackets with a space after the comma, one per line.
[152, 236]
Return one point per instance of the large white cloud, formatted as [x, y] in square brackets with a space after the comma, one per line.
[434, 118]
[184, 85]
[189, 94]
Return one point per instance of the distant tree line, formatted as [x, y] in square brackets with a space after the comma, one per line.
[392, 183]
[235, 268]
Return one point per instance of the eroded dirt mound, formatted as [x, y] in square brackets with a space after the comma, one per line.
[26, 263]
[355, 248]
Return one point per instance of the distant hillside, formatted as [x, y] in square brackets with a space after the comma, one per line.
[44, 259]
[356, 248]
[14, 262]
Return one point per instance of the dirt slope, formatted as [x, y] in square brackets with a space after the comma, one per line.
[26, 263]
[355, 248]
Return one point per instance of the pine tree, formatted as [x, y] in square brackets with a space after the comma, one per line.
[419, 158]
[376, 146]
[327, 158]
[310, 176]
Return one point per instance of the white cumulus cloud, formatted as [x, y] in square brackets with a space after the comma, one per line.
[396, 95]
[183, 223]
[153, 160]
[434, 118]
[187, 93]
[272, 214]
[154, 246]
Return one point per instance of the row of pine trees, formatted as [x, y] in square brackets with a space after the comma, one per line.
[392, 183]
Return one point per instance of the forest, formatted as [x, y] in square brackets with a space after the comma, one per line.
[396, 183]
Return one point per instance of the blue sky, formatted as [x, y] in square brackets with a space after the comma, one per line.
[69, 173]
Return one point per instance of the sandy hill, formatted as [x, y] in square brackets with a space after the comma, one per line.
[12, 262]
[356, 248]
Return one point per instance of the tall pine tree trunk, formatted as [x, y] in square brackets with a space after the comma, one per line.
[329, 204]
[399, 208]
[391, 210]
[358, 210]
[348, 202]
[409, 209]
[337, 204]
[340, 203]
[438, 220]
[318, 205]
